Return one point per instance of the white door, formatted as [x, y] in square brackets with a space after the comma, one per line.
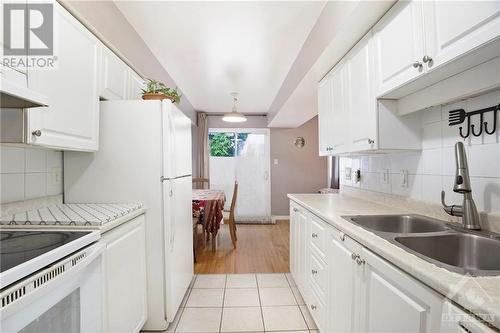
[387, 291]
[399, 44]
[242, 155]
[72, 119]
[135, 85]
[178, 224]
[325, 114]
[452, 28]
[344, 282]
[113, 76]
[339, 129]
[360, 99]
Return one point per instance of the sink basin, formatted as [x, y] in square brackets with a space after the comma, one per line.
[469, 253]
[398, 224]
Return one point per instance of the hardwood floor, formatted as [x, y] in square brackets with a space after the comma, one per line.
[260, 249]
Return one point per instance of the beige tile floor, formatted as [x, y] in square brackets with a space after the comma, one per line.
[243, 303]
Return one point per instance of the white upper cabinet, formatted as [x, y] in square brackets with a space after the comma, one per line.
[72, 119]
[135, 84]
[362, 104]
[114, 75]
[399, 45]
[455, 28]
[325, 115]
[415, 38]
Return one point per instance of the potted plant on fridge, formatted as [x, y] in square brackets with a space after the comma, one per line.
[158, 90]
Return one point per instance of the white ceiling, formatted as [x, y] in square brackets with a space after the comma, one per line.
[213, 48]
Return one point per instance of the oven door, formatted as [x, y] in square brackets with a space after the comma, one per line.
[65, 297]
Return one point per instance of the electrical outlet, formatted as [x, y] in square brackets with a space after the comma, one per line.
[56, 175]
[403, 178]
[348, 173]
[385, 176]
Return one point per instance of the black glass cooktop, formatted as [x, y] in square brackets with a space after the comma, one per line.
[17, 246]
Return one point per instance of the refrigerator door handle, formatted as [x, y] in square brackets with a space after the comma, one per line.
[162, 179]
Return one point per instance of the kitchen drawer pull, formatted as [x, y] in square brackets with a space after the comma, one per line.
[37, 133]
[354, 256]
[313, 271]
[295, 209]
[314, 235]
[342, 236]
[313, 307]
[462, 326]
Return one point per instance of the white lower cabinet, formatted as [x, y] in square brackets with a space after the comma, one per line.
[351, 289]
[125, 277]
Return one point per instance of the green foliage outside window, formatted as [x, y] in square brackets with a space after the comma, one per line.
[221, 144]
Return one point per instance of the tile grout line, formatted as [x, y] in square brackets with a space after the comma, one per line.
[190, 289]
[260, 303]
[223, 303]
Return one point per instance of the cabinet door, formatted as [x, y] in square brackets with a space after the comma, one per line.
[300, 220]
[125, 277]
[325, 114]
[135, 84]
[114, 75]
[455, 320]
[72, 119]
[398, 43]
[339, 129]
[386, 291]
[453, 28]
[344, 282]
[361, 100]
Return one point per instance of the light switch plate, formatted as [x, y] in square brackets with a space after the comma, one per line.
[403, 178]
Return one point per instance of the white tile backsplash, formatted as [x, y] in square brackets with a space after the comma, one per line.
[432, 169]
[28, 173]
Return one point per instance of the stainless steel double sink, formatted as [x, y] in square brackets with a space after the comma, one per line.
[467, 252]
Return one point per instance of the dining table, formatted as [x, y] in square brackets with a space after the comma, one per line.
[208, 208]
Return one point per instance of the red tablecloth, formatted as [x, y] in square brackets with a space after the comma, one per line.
[208, 206]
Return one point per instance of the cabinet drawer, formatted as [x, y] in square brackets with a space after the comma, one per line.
[317, 309]
[319, 275]
[318, 235]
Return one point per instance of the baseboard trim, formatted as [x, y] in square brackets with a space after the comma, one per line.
[274, 218]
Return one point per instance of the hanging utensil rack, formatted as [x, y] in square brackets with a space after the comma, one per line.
[457, 117]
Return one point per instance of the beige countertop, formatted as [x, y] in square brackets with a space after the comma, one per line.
[462, 289]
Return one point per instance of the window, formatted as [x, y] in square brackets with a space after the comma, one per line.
[226, 144]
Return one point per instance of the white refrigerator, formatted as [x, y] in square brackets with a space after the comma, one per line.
[145, 156]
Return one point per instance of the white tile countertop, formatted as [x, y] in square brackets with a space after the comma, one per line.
[462, 289]
[96, 215]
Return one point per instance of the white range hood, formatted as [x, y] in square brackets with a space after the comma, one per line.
[15, 96]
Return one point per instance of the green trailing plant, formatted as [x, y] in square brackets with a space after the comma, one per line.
[157, 87]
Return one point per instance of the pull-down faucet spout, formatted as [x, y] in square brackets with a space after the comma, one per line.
[468, 210]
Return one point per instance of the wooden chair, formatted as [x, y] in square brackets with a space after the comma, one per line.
[230, 220]
[201, 181]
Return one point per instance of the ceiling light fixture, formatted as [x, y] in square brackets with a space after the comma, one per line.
[234, 116]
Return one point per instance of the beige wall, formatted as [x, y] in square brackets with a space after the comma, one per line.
[299, 170]
[105, 20]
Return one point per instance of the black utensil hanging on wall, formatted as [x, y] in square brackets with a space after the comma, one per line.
[457, 117]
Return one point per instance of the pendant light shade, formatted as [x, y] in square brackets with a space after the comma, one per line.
[234, 116]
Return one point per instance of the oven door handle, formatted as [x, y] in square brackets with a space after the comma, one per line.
[32, 293]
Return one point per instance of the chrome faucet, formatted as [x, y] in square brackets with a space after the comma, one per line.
[468, 210]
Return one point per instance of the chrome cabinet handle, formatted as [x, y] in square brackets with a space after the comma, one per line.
[295, 209]
[417, 64]
[313, 307]
[314, 235]
[342, 236]
[370, 141]
[37, 133]
[313, 271]
[360, 261]
[426, 59]
[354, 256]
